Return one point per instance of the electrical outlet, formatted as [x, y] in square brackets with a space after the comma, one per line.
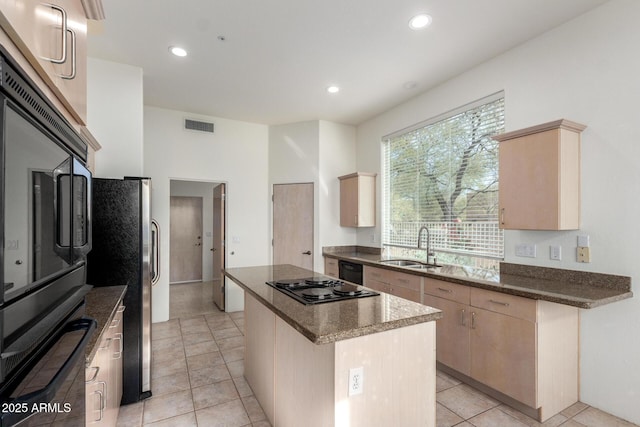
[526, 250]
[356, 377]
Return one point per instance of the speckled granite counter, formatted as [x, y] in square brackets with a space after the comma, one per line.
[569, 287]
[333, 321]
[101, 304]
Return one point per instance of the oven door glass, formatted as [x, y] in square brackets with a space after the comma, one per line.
[37, 226]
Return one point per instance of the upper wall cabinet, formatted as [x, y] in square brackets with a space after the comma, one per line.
[52, 36]
[540, 177]
[358, 200]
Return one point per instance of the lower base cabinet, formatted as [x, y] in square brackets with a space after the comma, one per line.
[299, 383]
[104, 376]
[523, 351]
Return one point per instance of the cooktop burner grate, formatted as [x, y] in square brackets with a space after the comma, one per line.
[320, 289]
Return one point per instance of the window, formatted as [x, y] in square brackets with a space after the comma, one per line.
[443, 174]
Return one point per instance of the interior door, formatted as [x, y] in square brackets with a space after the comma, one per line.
[185, 239]
[293, 224]
[218, 244]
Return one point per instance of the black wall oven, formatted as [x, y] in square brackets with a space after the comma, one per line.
[45, 235]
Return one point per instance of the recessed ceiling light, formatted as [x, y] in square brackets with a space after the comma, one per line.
[333, 89]
[177, 51]
[420, 21]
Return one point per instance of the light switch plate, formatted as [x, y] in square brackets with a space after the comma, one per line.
[555, 252]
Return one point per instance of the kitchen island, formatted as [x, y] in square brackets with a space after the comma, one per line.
[299, 358]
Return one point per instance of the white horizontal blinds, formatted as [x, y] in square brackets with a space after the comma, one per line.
[444, 174]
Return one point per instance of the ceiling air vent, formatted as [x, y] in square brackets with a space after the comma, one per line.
[198, 125]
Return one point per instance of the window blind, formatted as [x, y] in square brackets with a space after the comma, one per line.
[443, 174]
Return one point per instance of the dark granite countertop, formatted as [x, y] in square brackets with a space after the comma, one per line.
[101, 304]
[576, 288]
[332, 321]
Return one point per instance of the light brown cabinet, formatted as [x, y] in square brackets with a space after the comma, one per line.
[52, 36]
[358, 200]
[331, 267]
[522, 348]
[452, 331]
[407, 286]
[540, 177]
[104, 376]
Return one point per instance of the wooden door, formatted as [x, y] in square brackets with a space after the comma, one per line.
[185, 239]
[452, 333]
[293, 224]
[218, 248]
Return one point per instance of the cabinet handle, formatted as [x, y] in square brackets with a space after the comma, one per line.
[446, 290]
[462, 318]
[119, 352]
[97, 368]
[120, 309]
[502, 216]
[114, 323]
[403, 280]
[473, 320]
[355, 219]
[73, 57]
[63, 53]
[102, 400]
[504, 304]
[106, 345]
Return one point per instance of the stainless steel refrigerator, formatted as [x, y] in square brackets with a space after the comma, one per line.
[124, 252]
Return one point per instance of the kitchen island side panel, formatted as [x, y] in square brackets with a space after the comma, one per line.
[399, 371]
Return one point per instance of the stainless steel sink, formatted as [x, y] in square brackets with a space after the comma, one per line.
[424, 266]
[409, 263]
[401, 262]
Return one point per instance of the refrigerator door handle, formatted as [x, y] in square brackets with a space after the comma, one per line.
[155, 252]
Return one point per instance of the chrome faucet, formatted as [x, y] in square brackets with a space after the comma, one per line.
[425, 228]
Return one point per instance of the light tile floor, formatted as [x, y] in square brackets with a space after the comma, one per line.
[197, 379]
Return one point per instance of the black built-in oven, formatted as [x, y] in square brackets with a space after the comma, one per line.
[45, 235]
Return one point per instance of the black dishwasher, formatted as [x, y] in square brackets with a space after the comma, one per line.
[350, 272]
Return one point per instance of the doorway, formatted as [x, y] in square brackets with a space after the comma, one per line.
[293, 224]
[210, 246]
[185, 263]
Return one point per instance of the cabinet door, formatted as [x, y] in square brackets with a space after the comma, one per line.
[503, 350]
[52, 37]
[117, 345]
[97, 387]
[349, 202]
[452, 333]
[358, 200]
[540, 181]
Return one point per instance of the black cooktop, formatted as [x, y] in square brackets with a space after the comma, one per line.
[320, 289]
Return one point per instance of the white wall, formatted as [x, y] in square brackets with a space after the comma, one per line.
[317, 152]
[236, 153]
[203, 190]
[337, 157]
[587, 71]
[114, 117]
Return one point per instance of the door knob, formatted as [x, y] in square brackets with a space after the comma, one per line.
[213, 249]
[306, 253]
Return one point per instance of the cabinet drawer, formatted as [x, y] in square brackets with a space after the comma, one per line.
[376, 274]
[408, 281]
[523, 308]
[446, 290]
[405, 293]
[378, 286]
[331, 267]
